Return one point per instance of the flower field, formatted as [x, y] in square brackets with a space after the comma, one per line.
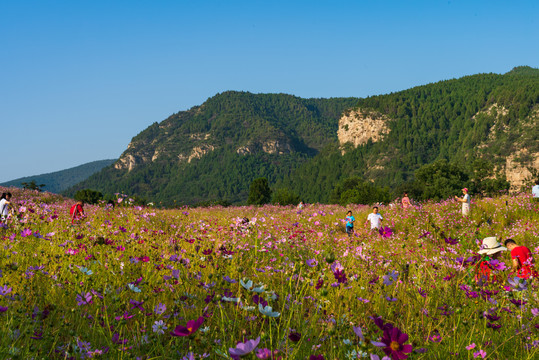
[143, 283]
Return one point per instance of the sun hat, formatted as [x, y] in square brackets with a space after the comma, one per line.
[491, 246]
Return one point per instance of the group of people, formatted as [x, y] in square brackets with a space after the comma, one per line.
[374, 218]
[521, 260]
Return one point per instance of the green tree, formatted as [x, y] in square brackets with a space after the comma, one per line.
[32, 185]
[259, 192]
[88, 196]
[284, 196]
[441, 179]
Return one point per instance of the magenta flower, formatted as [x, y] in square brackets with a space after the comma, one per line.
[385, 231]
[393, 344]
[26, 232]
[451, 241]
[481, 353]
[243, 348]
[189, 328]
[263, 353]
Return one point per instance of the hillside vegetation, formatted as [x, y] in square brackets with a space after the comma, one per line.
[215, 150]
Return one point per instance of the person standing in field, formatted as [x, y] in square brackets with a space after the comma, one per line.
[535, 191]
[375, 218]
[350, 223]
[5, 207]
[405, 201]
[522, 259]
[77, 211]
[465, 200]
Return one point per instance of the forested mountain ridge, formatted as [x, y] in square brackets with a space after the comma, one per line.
[214, 151]
[59, 181]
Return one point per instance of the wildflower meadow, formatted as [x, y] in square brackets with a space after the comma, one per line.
[271, 282]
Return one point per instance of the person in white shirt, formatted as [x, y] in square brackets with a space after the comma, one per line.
[465, 200]
[4, 206]
[375, 218]
[535, 191]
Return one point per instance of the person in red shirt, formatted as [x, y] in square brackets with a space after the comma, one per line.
[491, 249]
[522, 259]
[77, 211]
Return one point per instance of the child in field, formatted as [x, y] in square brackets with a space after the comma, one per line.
[77, 211]
[375, 218]
[535, 191]
[465, 200]
[350, 223]
[522, 259]
[406, 201]
[5, 207]
[492, 250]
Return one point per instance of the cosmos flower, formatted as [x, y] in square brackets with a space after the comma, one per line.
[385, 231]
[268, 311]
[189, 328]
[242, 349]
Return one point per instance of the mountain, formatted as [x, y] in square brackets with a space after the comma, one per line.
[59, 181]
[214, 151]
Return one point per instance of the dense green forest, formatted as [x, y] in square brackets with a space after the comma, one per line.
[59, 181]
[293, 143]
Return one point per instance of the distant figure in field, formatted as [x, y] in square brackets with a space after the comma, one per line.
[492, 250]
[535, 191]
[375, 218]
[5, 206]
[406, 201]
[522, 259]
[77, 211]
[465, 200]
[350, 223]
[300, 205]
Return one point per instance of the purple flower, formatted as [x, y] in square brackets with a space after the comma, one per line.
[228, 279]
[451, 241]
[3, 309]
[493, 326]
[358, 332]
[259, 300]
[421, 292]
[189, 328]
[394, 340]
[26, 232]
[243, 348]
[84, 299]
[311, 262]
[4, 290]
[116, 339]
[497, 265]
[294, 336]
[385, 231]
[263, 353]
[160, 309]
[517, 283]
[518, 302]
[136, 304]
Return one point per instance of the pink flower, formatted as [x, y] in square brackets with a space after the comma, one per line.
[471, 346]
[481, 353]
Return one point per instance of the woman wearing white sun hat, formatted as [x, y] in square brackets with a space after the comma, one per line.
[491, 249]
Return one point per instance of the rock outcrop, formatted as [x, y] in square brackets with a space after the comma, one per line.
[358, 126]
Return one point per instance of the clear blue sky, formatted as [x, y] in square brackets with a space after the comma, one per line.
[79, 79]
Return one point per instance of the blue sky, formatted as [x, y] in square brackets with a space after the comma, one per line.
[79, 79]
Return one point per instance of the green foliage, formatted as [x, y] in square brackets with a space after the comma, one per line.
[284, 196]
[357, 191]
[259, 192]
[88, 196]
[32, 185]
[441, 180]
[485, 116]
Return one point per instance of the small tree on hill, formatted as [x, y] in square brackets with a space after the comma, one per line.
[259, 192]
[32, 185]
[88, 196]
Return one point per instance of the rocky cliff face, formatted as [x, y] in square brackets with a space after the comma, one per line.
[358, 126]
[517, 168]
